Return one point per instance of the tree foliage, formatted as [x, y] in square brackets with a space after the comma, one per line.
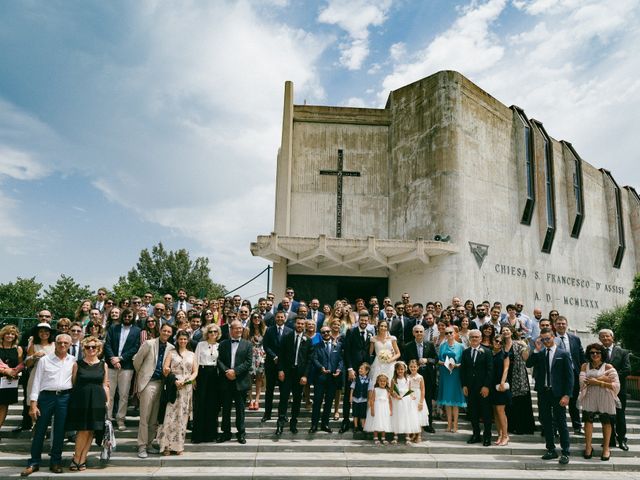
[629, 333]
[161, 271]
[611, 319]
[65, 296]
[20, 298]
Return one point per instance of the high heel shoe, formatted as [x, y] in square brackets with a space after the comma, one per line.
[585, 456]
[504, 442]
[603, 458]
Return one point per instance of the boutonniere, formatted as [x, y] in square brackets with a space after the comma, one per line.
[304, 339]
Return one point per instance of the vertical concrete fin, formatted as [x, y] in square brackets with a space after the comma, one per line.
[282, 221]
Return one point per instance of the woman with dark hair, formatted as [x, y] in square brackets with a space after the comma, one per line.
[500, 391]
[207, 399]
[470, 309]
[82, 312]
[124, 303]
[598, 397]
[488, 331]
[255, 334]
[520, 410]
[94, 329]
[246, 303]
[113, 318]
[150, 330]
[182, 364]
[39, 346]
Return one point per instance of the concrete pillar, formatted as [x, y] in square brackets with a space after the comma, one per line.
[282, 220]
[279, 283]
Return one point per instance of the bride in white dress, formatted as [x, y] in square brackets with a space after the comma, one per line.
[383, 362]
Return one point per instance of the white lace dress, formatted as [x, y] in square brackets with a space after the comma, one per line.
[404, 418]
[379, 366]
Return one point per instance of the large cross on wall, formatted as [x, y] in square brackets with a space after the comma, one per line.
[339, 173]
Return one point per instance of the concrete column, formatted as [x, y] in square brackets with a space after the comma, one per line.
[282, 220]
[279, 283]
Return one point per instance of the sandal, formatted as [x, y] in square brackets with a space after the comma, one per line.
[166, 453]
[376, 442]
[394, 441]
[82, 467]
[75, 466]
[383, 441]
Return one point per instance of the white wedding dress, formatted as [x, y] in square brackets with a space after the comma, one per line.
[378, 367]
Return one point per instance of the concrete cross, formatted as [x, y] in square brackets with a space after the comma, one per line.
[340, 172]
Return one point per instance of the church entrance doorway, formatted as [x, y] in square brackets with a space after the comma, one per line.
[328, 289]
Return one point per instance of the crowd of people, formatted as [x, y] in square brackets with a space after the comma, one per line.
[388, 369]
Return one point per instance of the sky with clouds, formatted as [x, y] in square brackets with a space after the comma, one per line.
[123, 124]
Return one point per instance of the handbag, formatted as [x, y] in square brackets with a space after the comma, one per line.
[506, 386]
[108, 442]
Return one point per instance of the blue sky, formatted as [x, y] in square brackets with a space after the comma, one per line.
[127, 123]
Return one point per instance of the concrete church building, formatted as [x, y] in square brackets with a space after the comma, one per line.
[446, 191]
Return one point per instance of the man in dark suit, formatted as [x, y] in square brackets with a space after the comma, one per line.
[572, 344]
[400, 327]
[120, 345]
[271, 344]
[619, 358]
[182, 303]
[234, 362]
[355, 351]
[477, 376]
[327, 361]
[425, 353]
[293, 371]
[554, 377]
[315, 313]
[288, 304]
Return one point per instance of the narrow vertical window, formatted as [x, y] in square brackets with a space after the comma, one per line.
[529, 167]
[578, 193]
[621, 244]
[549, 191]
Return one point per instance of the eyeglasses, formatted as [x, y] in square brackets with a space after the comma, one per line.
[212, 332]
[137, 301]
[547, 339]
[208, 313]
[109, 303]
[595, 352]
[90, 347]
[497, 342]
[325, 332]
[449, 333]
[151, 320]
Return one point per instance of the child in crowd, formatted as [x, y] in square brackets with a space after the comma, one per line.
[380, 410]
[359, 397]
[405, 419]
[416, 383]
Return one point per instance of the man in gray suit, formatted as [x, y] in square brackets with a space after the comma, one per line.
[148, 365]
[619, 358]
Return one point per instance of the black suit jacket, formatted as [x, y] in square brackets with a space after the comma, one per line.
[577, 352]
[131, 346]
[620, 360]
[287, 358]
[476, 375]
[403, 335]
[244, 356]
[271, 343]
[427, 371]
[355, 350]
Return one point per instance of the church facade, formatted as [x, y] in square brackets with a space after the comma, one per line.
[446, 191]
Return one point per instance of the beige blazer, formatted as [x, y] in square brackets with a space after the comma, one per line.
[145, 361]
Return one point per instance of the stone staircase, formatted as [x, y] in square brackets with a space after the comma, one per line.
[439, 456]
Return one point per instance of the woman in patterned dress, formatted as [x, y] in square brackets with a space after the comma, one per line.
[255, 334]
[183, 364]
[520, 410]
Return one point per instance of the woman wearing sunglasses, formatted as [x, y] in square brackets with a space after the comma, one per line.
[87, 405]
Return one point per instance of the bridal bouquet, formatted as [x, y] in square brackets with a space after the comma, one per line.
[385, 356]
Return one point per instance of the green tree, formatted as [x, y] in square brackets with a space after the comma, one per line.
[629, 334]
[65, 296]
[611, 319]
[161, 271]
[20, 298]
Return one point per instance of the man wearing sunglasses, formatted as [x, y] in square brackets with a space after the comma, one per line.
[553, 374]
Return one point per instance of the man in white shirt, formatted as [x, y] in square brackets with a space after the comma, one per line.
[50, 393]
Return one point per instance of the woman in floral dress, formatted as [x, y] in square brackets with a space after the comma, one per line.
[255, 334]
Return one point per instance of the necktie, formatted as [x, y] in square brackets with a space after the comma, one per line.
[419, 345]
[362, 334]
[297, 348]
[547, 369]
[562, 340]
[475, 354]
[73, 350]
[328, 347]
[430, 334]
[279, 331]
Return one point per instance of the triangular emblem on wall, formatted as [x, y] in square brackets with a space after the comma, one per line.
[479, 251]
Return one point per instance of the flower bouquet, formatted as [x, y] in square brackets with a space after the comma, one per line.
[385, 356]
[397, 392]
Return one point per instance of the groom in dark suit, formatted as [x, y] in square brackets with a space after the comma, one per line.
[327, 361]
[553, 373]
[477, 375]
[356, 351]
[425, 353]
[572, 344]
[234, 362]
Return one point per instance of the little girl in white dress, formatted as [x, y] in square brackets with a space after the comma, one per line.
[416, 383]
[405, 418]
[379, 411]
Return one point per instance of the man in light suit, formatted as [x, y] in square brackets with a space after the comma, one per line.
[477, 376]
[327, 361]
[148, 365]
[572, 344]
[619, 358]
[120, 345]
[554, 377]
[234, 362]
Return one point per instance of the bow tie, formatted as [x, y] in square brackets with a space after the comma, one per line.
[235, 341]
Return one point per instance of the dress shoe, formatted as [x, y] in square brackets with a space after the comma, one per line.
[142, 453]
[474, 439]
[121, 426]
[344, 426]
[19, 429]
[153, 450]
[486, 442]
[293, 428]
[429, 429]
[313, 429]
[29, 470]
[55, 468]
[279, 429]
[325, 428]
[266, 418]
[224, 437]
[242, 439]
[564, 459]
[577, 430]
[550, 455]
[189, 425]
[586, 455]
[624, 446]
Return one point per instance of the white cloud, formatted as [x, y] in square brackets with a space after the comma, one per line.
[355, 102]
[398, 51]
[355, 17]
[19, 165]
[8, 226]
[468, 46]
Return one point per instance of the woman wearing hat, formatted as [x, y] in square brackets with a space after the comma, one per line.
[40, 345]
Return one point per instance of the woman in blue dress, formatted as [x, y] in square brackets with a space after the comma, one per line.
[450, 387]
